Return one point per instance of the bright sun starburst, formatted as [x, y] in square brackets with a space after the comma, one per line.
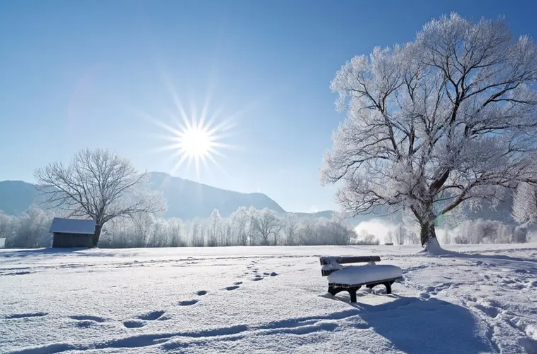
[194, 138]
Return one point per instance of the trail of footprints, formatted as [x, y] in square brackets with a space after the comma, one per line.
[253, 270]
[159, 315]
[84, 321]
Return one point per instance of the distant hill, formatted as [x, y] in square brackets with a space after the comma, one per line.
[16, 196]
[188, 199]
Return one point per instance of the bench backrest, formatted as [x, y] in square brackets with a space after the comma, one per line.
[332, 264]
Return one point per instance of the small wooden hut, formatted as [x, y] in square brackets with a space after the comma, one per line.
[72, 233]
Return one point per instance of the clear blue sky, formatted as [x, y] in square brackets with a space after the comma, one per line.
[77, 74]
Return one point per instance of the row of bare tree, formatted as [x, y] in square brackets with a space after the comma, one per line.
[245, 227]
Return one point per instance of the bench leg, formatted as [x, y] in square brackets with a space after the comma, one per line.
[352, 293]
[388, 287]
[333, 291]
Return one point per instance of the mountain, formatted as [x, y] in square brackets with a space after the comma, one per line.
[319, 214]
[186, 199]
[16, 196]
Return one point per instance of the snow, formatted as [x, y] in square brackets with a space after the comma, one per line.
[474, 299]
[73, 226]
[364, 274]
[328, 267]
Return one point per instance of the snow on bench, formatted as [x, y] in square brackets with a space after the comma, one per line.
[352, 278]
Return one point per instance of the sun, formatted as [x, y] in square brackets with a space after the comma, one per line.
[193, 138]
[194, 135]
[195, 142]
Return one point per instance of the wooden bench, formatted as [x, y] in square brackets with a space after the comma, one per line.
[352, 278]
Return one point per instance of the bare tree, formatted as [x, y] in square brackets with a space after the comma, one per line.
[266, 223]
[31, 229]
[6, 227]
[388, 238]
[97, 184]
[239, 221]
[290, 229]
[446, 119]
[215, 229]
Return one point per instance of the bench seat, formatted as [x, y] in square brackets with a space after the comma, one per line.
[365, 274]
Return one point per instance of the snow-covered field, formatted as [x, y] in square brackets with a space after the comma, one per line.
[265, 299]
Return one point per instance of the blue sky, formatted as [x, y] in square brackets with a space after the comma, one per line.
[77, 74]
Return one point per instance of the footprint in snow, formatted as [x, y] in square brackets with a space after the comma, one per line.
[151, 316]
[26, 315]
[237, 283]
[229, 288]
[84, 324]
[188, 302]
[88, 318]
[134, 324]
[201, 292]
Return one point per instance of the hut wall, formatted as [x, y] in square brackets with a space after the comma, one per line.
[65, 240]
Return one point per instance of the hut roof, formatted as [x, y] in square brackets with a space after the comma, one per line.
[73, 226]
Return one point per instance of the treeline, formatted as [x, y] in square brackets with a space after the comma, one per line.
[245, 227]
[466, 232]
[486, 231]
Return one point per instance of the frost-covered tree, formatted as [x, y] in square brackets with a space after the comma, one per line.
[400, 234]
[31, 229]
[520, 235]
[446, 119]
[389, 237]
[197, 233]
[239, 222]
[307, 234]
[290, 230]
[525, 204]
[365, 238]
[100, 185]
[266, 223]
[176, 232]
[488, 231]
[215, 229]
[335, 232]
[6, 225]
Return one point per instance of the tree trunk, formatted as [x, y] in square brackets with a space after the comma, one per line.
[427, 232]
[429, 239]
[97, 234]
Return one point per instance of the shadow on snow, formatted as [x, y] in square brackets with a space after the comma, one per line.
[418, 326]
